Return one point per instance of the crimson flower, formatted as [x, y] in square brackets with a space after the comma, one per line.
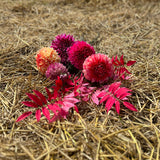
[79, 52]
[61, 44]
[98, 68]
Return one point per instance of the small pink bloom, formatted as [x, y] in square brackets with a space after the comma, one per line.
[98, 68]
[79, 52]
[55, 70]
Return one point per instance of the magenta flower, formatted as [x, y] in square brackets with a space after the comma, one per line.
[55, 70]
[79, 52]
[61, 44]
[98, 68]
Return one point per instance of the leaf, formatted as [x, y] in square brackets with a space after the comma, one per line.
[54, 108]
[104, 98]
[41, 96]
[129, 106]
[76, 109]
[35, 99]
[49, 94]
[115, 95]
[38, 115]
[130, 63]
[117, 105]
[30, 104]
[109, 103]
[23, 116]
[95, 97]
[46, 112]
[122, 60]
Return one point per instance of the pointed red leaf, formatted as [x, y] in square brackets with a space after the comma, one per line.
[49, 94]
[104, 98]
[41, 96]
[95, 97]
[130, 63]
[46, 112]
[122, 60]
[30, 104]
[35, 99]
[114, 86]
[110, 103]
[76, 109]
[38, 115]
[23, 116]
[117, 106]
[102, 94]
[54, 108]
[129, 106]
[118, 93]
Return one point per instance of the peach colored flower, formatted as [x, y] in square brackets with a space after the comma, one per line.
[45, 57]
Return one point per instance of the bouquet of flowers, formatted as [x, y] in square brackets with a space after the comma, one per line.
[79, 74]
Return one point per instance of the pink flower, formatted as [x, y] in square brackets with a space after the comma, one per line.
[79, 52]
[61, 44]
[98, 68]
[45, 57]
[55, 70]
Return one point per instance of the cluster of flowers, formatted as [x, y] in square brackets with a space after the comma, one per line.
[99, 82]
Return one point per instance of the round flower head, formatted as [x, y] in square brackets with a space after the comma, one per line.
[79, 52]
[45, 57]
[55, 70]
[61, 44]
[98, 68]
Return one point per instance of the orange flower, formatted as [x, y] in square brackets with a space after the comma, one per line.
[45, 57]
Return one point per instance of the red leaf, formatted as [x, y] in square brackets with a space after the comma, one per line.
[49, 94]
[110, 103]
[121, 91]
[30, 104]
[38, 115]
[76, 109]
[41, 96]
[114, 86]
[117, 105]
[122, 60]
[95, 97]
[46, 112]
[129, 106]
[104, 98]
[54, 108]
[23, 116]
[130, 63]
[34, 98]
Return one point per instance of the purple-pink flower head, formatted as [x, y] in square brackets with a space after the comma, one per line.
[98, 68]
[55, 70]
[61, 44]
[78, 52]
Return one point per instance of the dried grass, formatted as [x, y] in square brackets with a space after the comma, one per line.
[112, 27]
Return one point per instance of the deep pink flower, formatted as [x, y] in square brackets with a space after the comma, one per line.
[79, 52]
[61, 44]
[98, 68]
[55, 70]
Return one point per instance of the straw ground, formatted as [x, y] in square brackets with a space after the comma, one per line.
[113, 27]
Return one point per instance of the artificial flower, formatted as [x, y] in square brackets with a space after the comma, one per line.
[98, 68]
[56, 69]
[45, 57]
[61, 44]
[79, 52]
